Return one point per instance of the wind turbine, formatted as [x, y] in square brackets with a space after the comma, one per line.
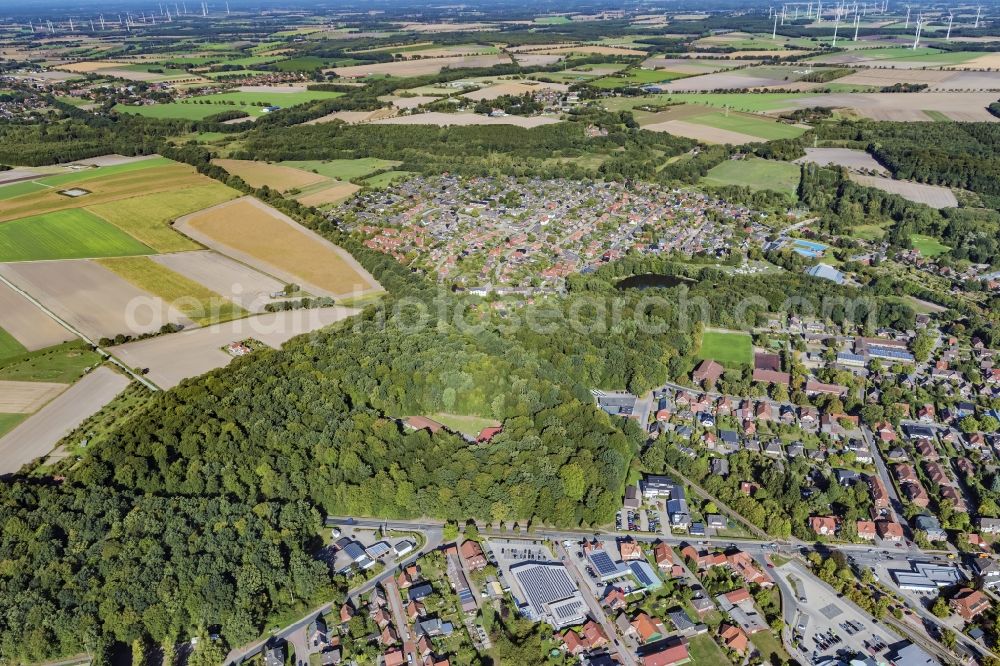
[857, 24]
[920, 25]
[836, 25]
[907, 25]
[774, 31]
[227, 9]
[979, 9]
[101, 19]
[951, 17]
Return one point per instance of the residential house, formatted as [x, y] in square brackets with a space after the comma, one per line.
[668, 655]
[889, 530]
[647, 629]
[472, 555]
[969, 604]
[734, 638]
[630, 550]
[824, 525]
[708, 371]
[866, 530]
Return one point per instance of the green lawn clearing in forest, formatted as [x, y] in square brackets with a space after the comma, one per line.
[196, 301]
[65, 234]
[728, 348]
[468, 425]
[928, 247]
[147, 218]
[344, 169]
[757, 174]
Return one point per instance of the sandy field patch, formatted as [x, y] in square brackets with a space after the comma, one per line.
[241, 284]
[444, 119]
[702, 132]
[28, 323]
[272, 242]
[934, 196]
[275, 176]
[27, 397]
[88, 66]
[408, 102]
[174, 358]
[517, 88]
[420, 67]
[36, 436]
[328, 195]
[91, 298]
[854, 160]
[969, 107]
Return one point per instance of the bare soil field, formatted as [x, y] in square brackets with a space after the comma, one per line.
[888, 77]
[243, 285]
[88, 66]
[28, 323]
[91, 298]
[27, 397]
[969, 107]
[328, 195]
[407, 102]
[702, 132]
[691, 65]
[855, 160]
[275, 176]
[419, 67]
[36, 436]
[16, 174]
[272, 242]
[932, 195]
[444, 119]
[969, 81]
[353, 117]
[174, 358]
[517, 88]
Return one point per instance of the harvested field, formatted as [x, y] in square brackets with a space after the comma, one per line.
[270, 241]
[763, 77]
[909, 107]
[241, 284]
[36, 436]
[401, 102]
[932, 195]
[27, 397]
[275, 176]
[536, 59]
[445, 119]
[28, 323]
[147, 218]
[591, 49]
[984, 61]
[690, 65]
[174, 358]
[855, 160]
[888, 77]
[328, 195]
[702, 133]
[969, 81]
[517, 88]
[405, 68]
[114, 160]
[351, 117]
[123, 185]
[91, 298]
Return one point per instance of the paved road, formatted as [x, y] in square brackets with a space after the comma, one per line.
[399, 619]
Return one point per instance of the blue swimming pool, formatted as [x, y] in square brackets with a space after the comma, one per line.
[808, 248]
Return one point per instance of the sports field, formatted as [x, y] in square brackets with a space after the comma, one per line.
[261, 236]
[344, 169]
[757, 174]
[196, 302]
[147, 218]
[65, 234]
[927, 246]
[729, 349]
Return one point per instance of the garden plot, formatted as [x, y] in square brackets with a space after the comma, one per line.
[28, 323]
[934, 196]
[273, 243]
[249, 288]
[174, 358]
[92, 299]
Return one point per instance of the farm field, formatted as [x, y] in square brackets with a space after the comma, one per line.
[91, 298]
[202, 305]
[202, 106]
[755, 103]
[276, 176]
[729, 349]
[27, 324]
[751, 125]
[27, 397]
[328, 194]
[65, 234]
[444, 119]
[856, 160]
[637, 77]
[513, 88]
[927, 246]
[62, 364]
[17, 189]
[174, 358]
[757, 174]
[405, 68]
[171, 176]
[387, 178]
[8, 421]
[237, 282]
[9, 346]
[260, 236]
[344, 169]
[147, 218]
[37, 435]
[934, 196]
[909, 107]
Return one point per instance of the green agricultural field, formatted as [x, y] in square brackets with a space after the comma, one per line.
[344, 169]
[63, 363]
[147, 218]
[300, 64]
[637, 77]
[750, 103]
[8, 421]
[66, 234]
[17, 189]
[758, 127]
[757, 174]
[9, 346]
[387, 178]
[928, 247]
[201, 304]
[729, 349]
[202, 106]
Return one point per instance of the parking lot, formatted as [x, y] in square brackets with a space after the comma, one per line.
[828, 626]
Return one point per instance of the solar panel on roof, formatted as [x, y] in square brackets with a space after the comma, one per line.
[603, 563]
[640, 575]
